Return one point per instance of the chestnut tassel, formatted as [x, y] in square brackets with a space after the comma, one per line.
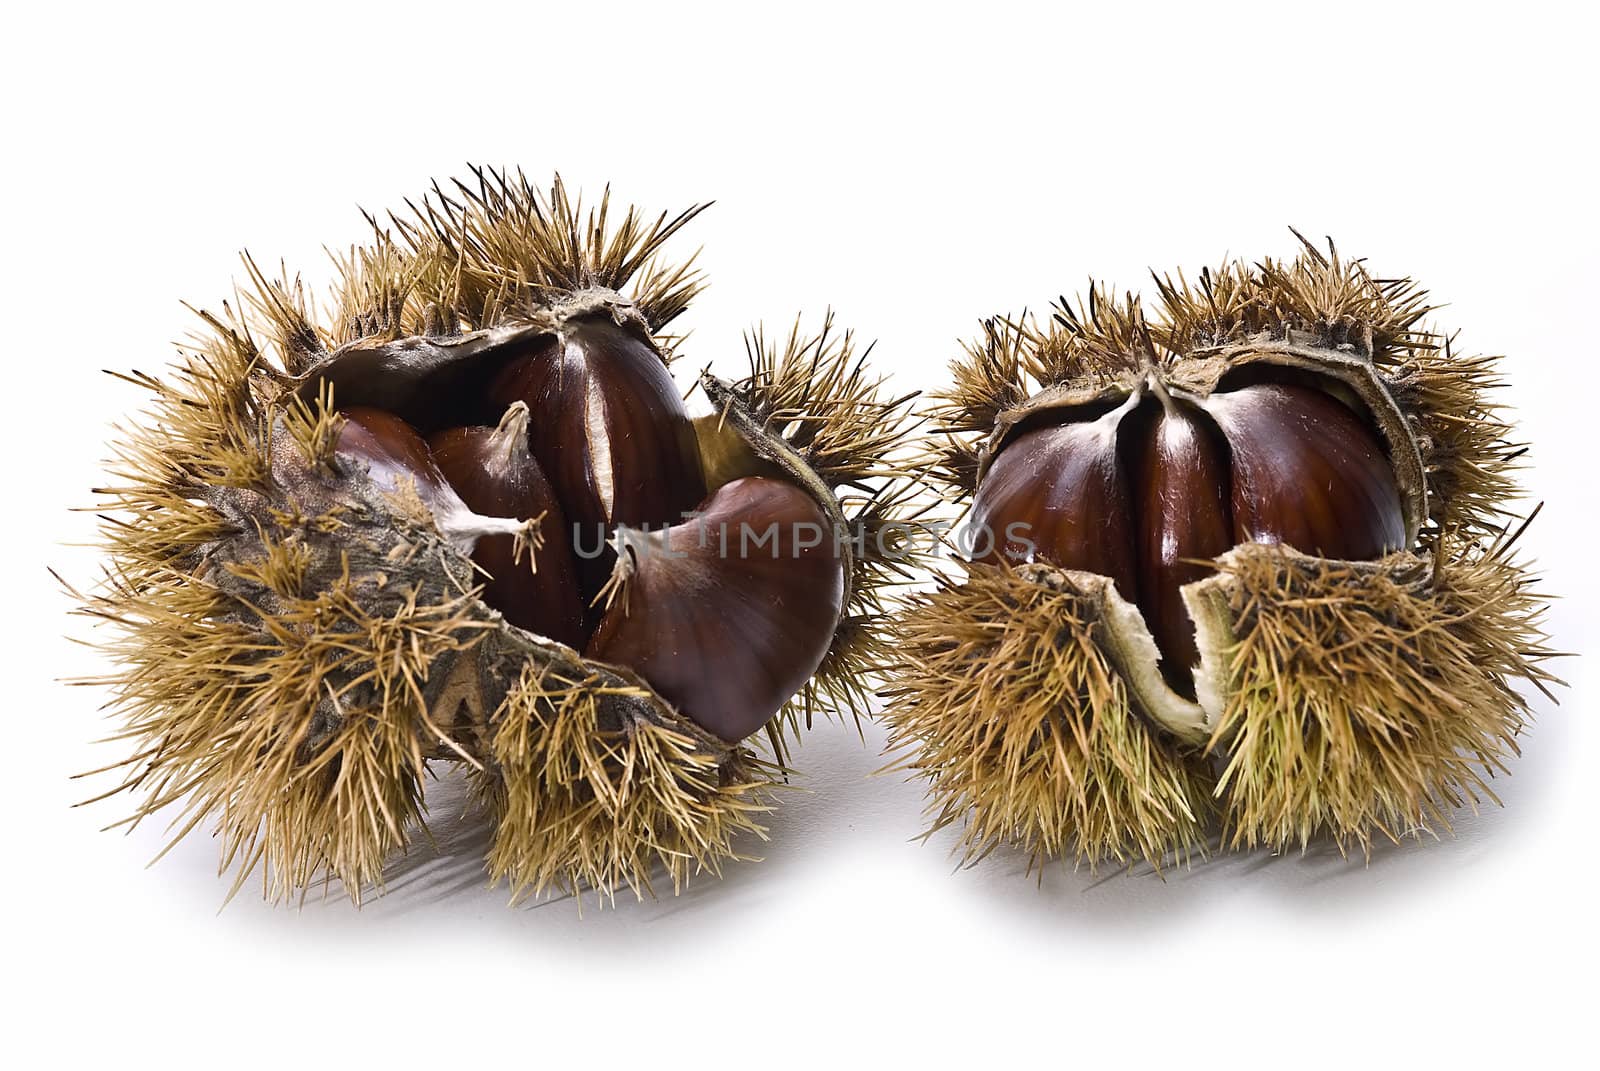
[728, 614]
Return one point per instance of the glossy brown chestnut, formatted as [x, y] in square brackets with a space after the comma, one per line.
[1307, 471]
[1182, 521]
[1059, 493]
[1151, 492]
[610, 431]
[494, 473]
[727, 615]
[394, 454]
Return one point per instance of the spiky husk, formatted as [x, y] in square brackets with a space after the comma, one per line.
[274, 687]
[1349, 757]
[475, 255]
[1317, 300]
[1370, 698]
[587, 790]
[293, 647]
[1007, 703]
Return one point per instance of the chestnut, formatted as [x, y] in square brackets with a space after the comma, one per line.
[494, 473]
[398, 461]
[613, 435]
[729, 613]
[1307, 471]
[1181, 477]
[394, 454]
[1060, 492]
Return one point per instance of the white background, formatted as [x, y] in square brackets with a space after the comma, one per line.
[916, 169]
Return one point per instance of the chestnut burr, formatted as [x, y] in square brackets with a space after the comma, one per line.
[313, 606]
[1277, 597]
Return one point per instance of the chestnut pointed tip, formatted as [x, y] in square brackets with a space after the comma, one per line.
[614, 592]
[511, 434]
